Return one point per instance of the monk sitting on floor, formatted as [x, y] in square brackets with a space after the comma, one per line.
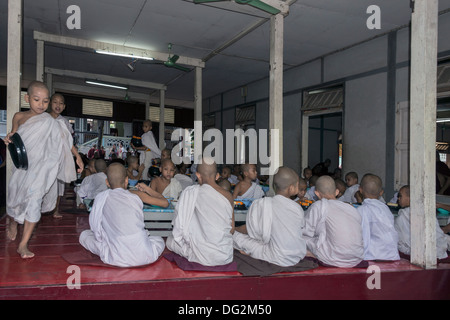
[247, 188]
[166, 184]
[204, 220]
[273, 229]
[117, 233]
[333, 230]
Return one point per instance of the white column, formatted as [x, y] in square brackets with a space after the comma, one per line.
[14, 54]
[424, 27]
[40, 60]
[162, 143]
[276, 91]
[198, 127]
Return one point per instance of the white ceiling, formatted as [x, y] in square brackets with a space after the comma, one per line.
[313, 28]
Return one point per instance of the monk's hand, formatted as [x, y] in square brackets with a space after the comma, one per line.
[7, 139]
[80, 164]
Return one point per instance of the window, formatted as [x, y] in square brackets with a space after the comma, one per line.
[98, 108]
[169, 115]
[23, 103]
[327, 98]
[3, 116]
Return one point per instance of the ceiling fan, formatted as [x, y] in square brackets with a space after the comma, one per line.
[254, 3]
[171, 61]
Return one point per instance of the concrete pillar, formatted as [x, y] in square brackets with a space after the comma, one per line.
[424, 30]
[276, 92]
[40, 60]
[14, 54]
[198, 114]
[162, 143]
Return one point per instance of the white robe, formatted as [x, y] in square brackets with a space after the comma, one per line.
[379, 234]
[275, 231]
[173, 190]
[333, 233]
[184, 180]
[201, 226]
[91, 186]
[43, 138]
[254, 192]
[117, 233]
[349, 194]
[145, 156]
[403, 227]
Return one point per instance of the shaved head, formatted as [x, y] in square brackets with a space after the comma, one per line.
[167, 162]
[284, 178]
[326, 186]
[371, 185]
[36, 85]
[100, 165]
[207, 168]
[116, 174]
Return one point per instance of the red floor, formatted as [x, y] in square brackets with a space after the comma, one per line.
[45, 276]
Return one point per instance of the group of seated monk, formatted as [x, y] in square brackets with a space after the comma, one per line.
[277, 228]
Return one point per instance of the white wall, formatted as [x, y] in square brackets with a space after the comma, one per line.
[363, 70]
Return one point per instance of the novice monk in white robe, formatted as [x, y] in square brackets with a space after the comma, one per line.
[377, 221]
[403, 227]
[149, 150]
[43, 139]
[166, 184]
[93, 184]
[247, 189]
[333, 228]
[204, 221]
[117, 233]
[274, 225]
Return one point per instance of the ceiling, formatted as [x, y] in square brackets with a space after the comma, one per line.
[210, 32]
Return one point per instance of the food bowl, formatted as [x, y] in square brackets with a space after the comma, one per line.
[18, 152]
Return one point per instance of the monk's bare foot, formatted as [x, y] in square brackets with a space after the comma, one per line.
[11, 230]
[57, 215]
[25, 253]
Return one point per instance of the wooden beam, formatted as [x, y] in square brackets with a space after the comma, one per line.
[14, 57]
[424, 30]
[111, 79]
[114, 48]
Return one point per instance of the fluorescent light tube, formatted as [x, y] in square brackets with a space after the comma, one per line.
[106, 84]
[123, 55]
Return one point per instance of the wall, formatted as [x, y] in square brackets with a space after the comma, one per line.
[375, 76]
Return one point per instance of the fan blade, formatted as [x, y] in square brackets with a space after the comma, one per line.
[174, 58]
[177, 66]
[260, 5]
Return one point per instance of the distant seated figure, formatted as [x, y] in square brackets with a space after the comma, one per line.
[117, 231]
[134, 170]
[204, 220]
[403, 227]
[93, 184]
[273, 229]
[333, 230]
[377, 221]
[247, 188]
[351, 179]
